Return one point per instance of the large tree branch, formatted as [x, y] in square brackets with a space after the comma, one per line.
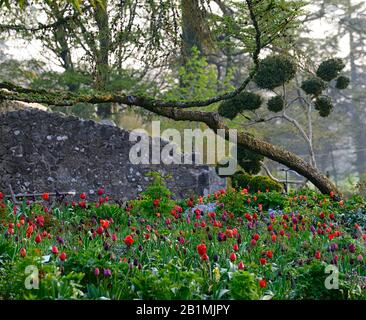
[65, 98]
[289, 159]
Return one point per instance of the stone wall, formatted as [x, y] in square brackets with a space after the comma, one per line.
[41, 151]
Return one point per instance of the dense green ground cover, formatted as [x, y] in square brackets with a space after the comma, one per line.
[229, 245]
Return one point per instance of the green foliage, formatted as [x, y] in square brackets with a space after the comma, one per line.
[69, 80]
[313, 86]
[243, 286]
[197, 79]
[163, 261]
[342, 82]
[227, 110]
[248, 160]
[330, 69]
[276, 104]
[157, 190]
[275, 71]
[172, 281]
[310, 284]
[243, 101]
[324, 105]
[254, 183]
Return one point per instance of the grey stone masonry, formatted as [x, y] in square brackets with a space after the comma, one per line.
[42, 151]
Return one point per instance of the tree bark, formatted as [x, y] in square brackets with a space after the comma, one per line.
[102, 58]
[289, 159]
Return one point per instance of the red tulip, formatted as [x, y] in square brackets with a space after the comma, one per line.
[282, 232]
[241, 265]
[45, 196]
[54, 250]
[262, 261]
[129, 240]
[23, 252]
[83, 196]
[156, 202]
[100, 230]
[104, 224]
[263, 283]
[269, 254]
[201, 248]
[63, 256]
[100, 191]
[38, 238]
[235, 247]
[114, 237]
[232, 256]
[256, 237]
[318, 255]
[274, 238]
[204, 257]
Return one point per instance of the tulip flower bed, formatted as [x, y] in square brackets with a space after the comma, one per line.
[229, 245]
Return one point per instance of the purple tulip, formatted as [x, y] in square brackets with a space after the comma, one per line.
[352, 248]
[107, 273]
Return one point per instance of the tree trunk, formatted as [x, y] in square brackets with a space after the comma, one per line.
[359, 132]
[102, 59]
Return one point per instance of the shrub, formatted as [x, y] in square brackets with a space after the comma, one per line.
[276, 104]
[274, 71]
[330, 69]
[342, 82]
[254, 183]
[243, 286]
[249, 160]
[324, 105]
[243, 101]
[310, 284]
[313, 86]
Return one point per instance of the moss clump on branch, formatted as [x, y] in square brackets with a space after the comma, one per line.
[243, 101]
[254, 183]
[274, 71]
[342, 82]
[249, 160]
[313, 86]
[324, 105]
[276, 104]
[330, 69]
[227, 110]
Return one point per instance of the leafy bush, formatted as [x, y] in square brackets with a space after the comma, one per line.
[313, 86]
[324, 105]
[274, 71]
[243, 286]
[310, 284]
[342, 82]
[254, 183]
[330, 69]
[243, 101]
[276, 104]
[249, 160]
